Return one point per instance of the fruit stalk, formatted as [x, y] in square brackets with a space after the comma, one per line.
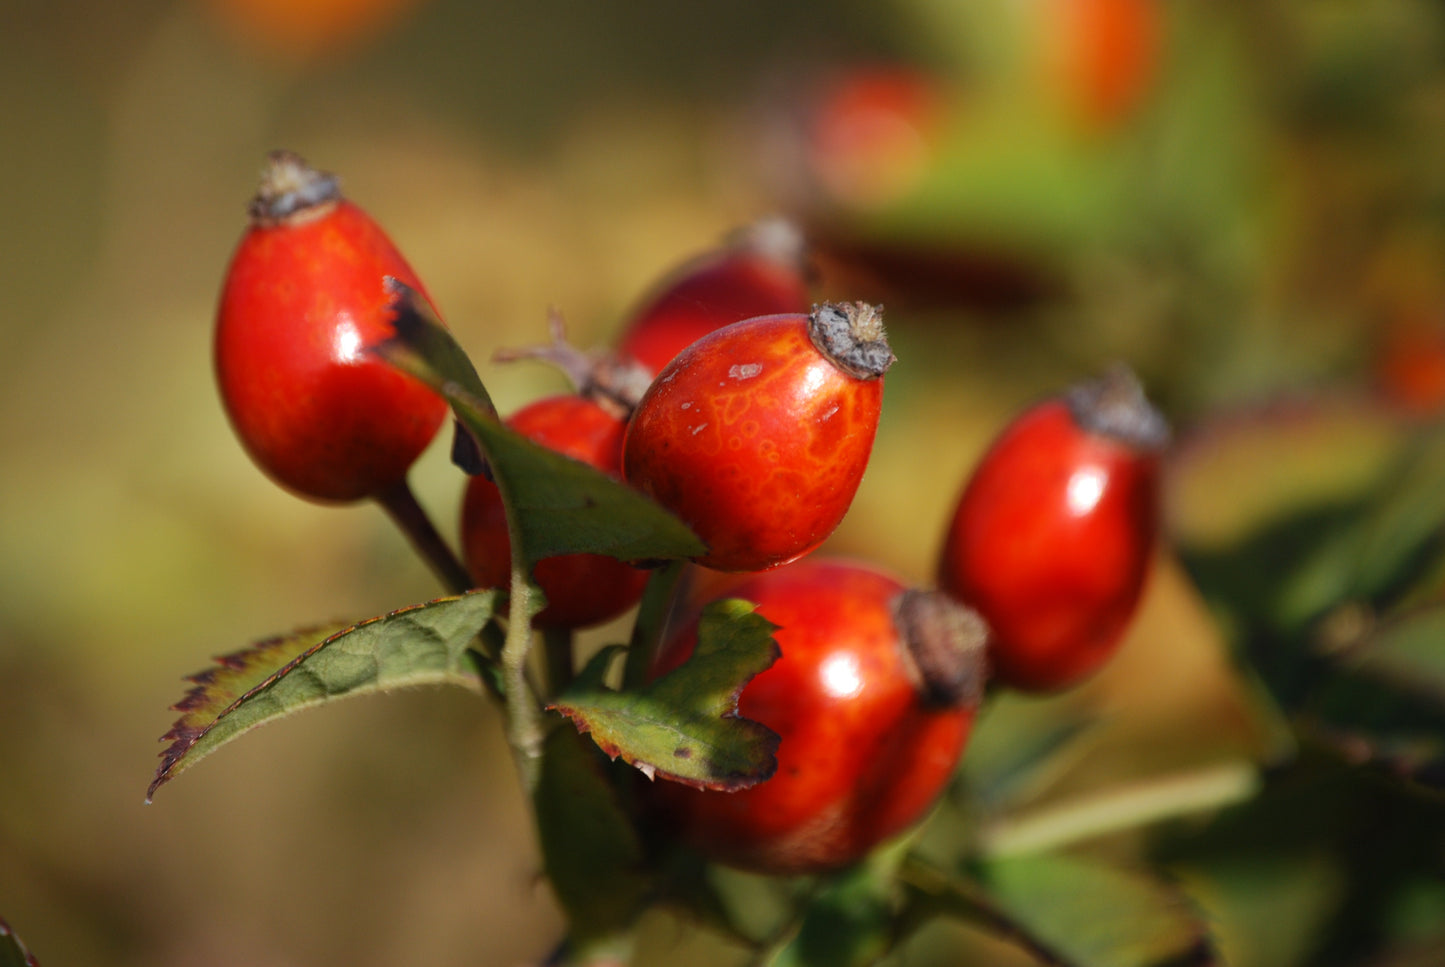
[400, 504]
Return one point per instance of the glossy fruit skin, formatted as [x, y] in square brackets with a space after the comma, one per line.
[303, 298]
[862, 756]
[581, 589]
[756, 439]
[1051, 541]
[761, 272]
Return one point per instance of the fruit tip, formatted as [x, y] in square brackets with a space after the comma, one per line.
[852, 335]
[291, 189]
[1114, 405]
[945, 642]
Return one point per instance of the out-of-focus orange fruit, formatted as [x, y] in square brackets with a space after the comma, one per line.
[1410, 366]
[1102, 55]
[308, 29]
[873, 134]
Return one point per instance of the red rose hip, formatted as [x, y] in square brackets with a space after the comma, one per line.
[873, 699]
[581, 589]
[757, 434]
[761, 270]
[304, 297]
[1053, 535]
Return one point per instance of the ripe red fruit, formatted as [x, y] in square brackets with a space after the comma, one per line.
[760, 271]
[304, 297]
[581, 589]
[1052, 537]
[873, 698]
[757, 435]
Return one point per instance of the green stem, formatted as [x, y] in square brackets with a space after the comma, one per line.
[558, 644]
[524, 722]
[651, 621]
[401, 506]
[937, 893]
[1119, 809]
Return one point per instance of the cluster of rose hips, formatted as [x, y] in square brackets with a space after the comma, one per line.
[754, 428]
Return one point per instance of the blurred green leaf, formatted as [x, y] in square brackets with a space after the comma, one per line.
[12, 951]
[1020, 745]
[1242, 472]
[1382, 549]
[1098, 916]
[1381, 699]
[1407, 652]
[685, 725]
[1269, 908]
[425, 644]
[591, 851]
[560, 505]
[1402, 536]
[849, 922]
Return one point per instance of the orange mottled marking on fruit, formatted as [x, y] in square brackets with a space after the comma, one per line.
[757, 441]
[860, 757]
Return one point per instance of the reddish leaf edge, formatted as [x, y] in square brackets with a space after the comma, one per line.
[6, 931]
[183, 738]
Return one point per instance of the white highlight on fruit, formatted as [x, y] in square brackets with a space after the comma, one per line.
[1084, 489]
[348, 344]
[841, 678]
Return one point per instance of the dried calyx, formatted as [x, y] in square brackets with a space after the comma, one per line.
[291, 189]
[607, 379]
[851, 334]
[776, 238]
[945, 644]
[1114, 405]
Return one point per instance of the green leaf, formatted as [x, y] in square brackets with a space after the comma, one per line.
[424, 644]
[1234, 477]
[849, 922]
[1381, 701]
[685, 725]
[1271, 907]
[590, 849]
[12, 951]
[1098, 916]
[558, 505]
[1405, 529]
[1409, 653]
[1020, 745]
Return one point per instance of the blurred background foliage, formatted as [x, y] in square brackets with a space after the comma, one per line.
[1244, 200]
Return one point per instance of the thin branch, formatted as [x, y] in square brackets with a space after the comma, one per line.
[561, 660]
[401, 506]
[524, 726]
[652, 616]
[950, 896]
[1118, 809]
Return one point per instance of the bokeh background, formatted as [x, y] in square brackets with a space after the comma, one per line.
[1241, 199]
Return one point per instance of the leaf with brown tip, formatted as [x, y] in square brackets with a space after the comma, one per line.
[423, 644]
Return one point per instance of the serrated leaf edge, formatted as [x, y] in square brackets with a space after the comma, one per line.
[183, 738]
[595, 671]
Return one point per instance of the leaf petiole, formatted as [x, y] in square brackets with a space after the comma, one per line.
[652, 615]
